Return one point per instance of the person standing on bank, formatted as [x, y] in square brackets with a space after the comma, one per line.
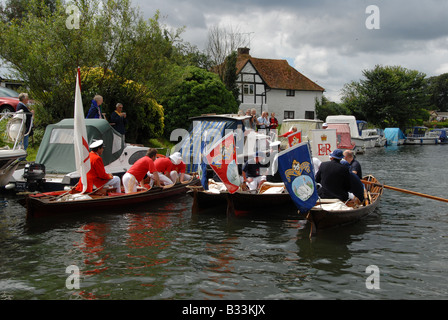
[334, 178]
[118, 119]
[95, 111]
[23, 102]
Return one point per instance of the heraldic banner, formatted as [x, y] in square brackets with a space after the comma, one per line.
[222, 158]
[295, 138]
[296, 170]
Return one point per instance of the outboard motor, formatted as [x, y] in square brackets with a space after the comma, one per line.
[34, 174]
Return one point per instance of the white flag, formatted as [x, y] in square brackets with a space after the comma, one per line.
[80, 136]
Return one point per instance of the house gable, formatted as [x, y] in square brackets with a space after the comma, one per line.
[274, 86]
[278, 74]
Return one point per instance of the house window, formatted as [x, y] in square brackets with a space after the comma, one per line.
[289, 115]
[290, 93]
[309, 115]
[248, 89]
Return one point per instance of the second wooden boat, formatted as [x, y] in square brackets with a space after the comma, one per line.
[328, 213]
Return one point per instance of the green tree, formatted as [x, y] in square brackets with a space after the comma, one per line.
[230, 75]
[112, 35]
[198, 92]
[438, 91]
[389, 96]
[326, 108]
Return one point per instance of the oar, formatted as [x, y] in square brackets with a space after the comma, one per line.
[406, 191]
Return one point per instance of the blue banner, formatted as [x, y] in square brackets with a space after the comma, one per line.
[202, 168]
[296, 170]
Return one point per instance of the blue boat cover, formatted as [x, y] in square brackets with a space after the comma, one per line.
[392, 135]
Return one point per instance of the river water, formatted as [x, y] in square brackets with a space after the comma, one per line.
[167, 253]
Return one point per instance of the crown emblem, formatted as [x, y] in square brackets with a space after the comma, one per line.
[323, 137]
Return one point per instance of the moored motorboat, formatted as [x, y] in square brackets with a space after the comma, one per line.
[56, 160]
[328, 213]
[10, 157]
[420, 135]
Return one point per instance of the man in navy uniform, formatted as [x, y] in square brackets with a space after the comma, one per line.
[334, 178]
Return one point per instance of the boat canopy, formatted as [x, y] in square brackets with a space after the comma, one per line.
[215, 127]
[392, 135]
[304, 125]
[350, 120]
[343, 137]
[57, 152]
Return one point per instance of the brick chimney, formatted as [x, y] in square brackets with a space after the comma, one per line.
[242, 51]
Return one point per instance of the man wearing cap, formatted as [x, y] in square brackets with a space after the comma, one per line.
[251, 172]
[334, 178]
[169, 168]
[141, 168]
[97, 176]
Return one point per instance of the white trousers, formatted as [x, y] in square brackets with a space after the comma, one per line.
[114, 182]
[253, 185]
[129, 183]
[165, 181]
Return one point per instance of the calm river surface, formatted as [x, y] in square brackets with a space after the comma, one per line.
[166, 252]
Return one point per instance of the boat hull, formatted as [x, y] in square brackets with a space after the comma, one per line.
[324, 219]
[421, 141]
[39, 205]
[240, 203]
[203, 201]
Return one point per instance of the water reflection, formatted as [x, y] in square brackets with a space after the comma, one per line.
[164, 251]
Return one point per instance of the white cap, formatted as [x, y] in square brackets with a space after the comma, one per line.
[96, 144]
[176, 157]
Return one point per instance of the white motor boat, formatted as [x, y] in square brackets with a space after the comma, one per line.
[55, 168]
[10, 157]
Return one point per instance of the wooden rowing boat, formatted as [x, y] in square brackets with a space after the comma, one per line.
[243, 202]
[61, 202]
[328, 213]
[275, 204]
[203, 200]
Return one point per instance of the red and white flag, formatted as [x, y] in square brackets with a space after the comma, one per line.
[222, 159]
[295, 138]
[80, 136]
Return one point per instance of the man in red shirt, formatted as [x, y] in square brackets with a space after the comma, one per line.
[97, 176]
[170, 168]
[142, 167]
[291, 131]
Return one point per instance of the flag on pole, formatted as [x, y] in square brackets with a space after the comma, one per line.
[222, 159]
[202, 168]
[80, 136]
[296, 170]
[295, 138]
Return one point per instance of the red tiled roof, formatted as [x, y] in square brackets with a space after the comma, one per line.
[278, 74]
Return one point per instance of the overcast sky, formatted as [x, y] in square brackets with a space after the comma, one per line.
[326, 40]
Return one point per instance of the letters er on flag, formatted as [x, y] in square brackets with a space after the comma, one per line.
[222, 159]
[80, 136]
[296, 170]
